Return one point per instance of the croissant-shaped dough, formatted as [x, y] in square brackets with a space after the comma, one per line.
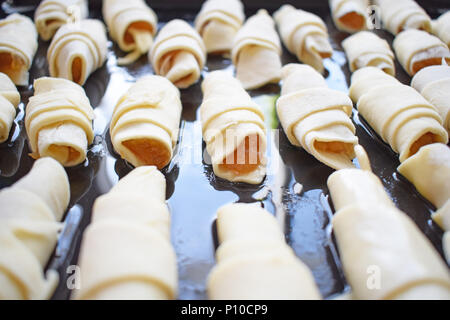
[218, 22]
[126, 251]
[400, 15]
[18, 44]
[253, 260]
[144, 125]
[50, 15]
[398, 113]
[441, 27]
[77, 50]
[304, 34]
[178, 53]
[256, 52]
[315, 117]
[233, 129]
[383, 253]
[132, 24]
[29, 226]
[9, 100]
[59, 121]
[416, 49]
[349, 15]
[434, 84]
[366, 49]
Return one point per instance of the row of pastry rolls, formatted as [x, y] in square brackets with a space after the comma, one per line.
[304, 34]
[256, 52]
[398, 113]
[126, 251]
[18, 45]
[77, 50]
[254, 261]
[384, 254]
[144, 125]
[315, 117]
[50, 15]
[58, 121]
[178, 53]
[29, 224]
[218, 22]
[429, 171]
[9, 100]
[132, 24]
[349, 15]
[234, 130]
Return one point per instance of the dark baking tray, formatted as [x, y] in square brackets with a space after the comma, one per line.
[193, 192]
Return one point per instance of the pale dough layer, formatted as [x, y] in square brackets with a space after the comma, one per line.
[29, 226]
[9, 100]
[254, 261]
[126, 251]
[441, 27]
[144, 125]
[59, 121]
[218, 22]
[349, 15]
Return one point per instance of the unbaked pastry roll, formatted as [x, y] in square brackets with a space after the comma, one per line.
[144, 125]
[178, 53]
[29, 226]
[253, 260]
[50, 15]
[441, 27]
[77, 50]
[365, 49]
[218, 22]
[400, 15]
[126, 251]
[256, 52]
[434, 84]
[349, 15]
[304, 34]
[398, 113]
[416, 49]
[233, 129]
[9, 100]
[383, 253]
[59, 121]
[315, 117]
[132, 24]
[18, 44]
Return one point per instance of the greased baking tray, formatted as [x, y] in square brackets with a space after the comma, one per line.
[193, 192]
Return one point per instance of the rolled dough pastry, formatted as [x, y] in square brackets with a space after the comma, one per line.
[304, 34]
[132, 24]
[383, 253]
[398, 113]
[29, 226]
[178, 53]
[126, 251]
[256, 52]
[77, 50]
[18, 44]
[434, 84]
[218, 22]
[253, 260]
[349, 15]
[59, 121]
[233, 129]
[416, 49]
[441, 27]
[9, 100]
[50, 15]
[144, 125]
[365, 49]
[400, 15]
[315, 117]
